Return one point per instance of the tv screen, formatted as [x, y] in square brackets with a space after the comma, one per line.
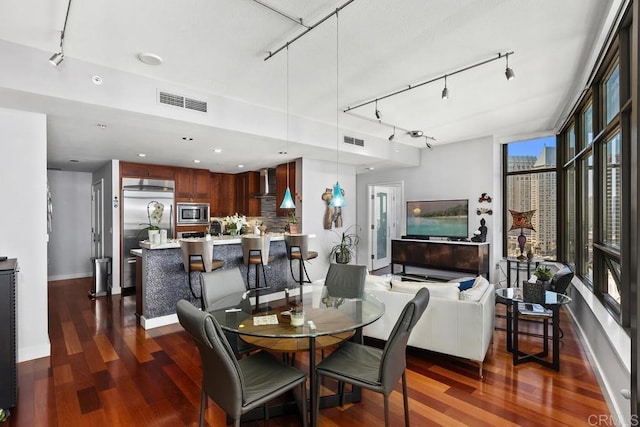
[438, 218]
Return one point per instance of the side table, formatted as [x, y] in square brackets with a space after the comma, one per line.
[531, 264]
[553, 302]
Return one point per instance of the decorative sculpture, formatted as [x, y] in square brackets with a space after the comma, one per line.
[332, 215]
[480, 235]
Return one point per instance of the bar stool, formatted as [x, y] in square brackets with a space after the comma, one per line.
[197, 255]
[255, 251]
[297, 246]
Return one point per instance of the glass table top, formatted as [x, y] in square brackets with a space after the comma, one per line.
[515, 294]
[323, 314]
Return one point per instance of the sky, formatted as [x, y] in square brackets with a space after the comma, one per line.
[531, 147]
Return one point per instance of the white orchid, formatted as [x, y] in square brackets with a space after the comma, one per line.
[235, 222]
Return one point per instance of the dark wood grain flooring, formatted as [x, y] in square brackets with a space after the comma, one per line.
[104, 370]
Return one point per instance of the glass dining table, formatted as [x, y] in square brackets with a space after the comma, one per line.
[328, 320]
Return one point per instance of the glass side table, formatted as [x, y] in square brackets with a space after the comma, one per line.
[515, 309]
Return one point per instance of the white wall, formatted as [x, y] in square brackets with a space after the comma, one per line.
[317, 175]
[70, 238]
[110, 175]
[23, 223]
[463, 170]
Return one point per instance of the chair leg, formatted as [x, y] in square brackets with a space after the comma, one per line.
[386, 411]
[305, 273]
[203, 404]
[305, 415]
[405, 396]
[316, 402]
[236, 423]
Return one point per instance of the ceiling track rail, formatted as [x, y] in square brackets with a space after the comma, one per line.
[284, 46]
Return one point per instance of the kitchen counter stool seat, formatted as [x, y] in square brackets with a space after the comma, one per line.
[197, 255]
[255, 252]
[297, 246]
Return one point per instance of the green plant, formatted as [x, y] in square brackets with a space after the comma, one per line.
[543, 273]
[293, 219]
[155, 211]
[345, 246]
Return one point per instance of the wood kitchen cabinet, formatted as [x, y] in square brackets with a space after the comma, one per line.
[192, 185]
[281, 186]
[247, 185]
[142, 170]
[223, 194]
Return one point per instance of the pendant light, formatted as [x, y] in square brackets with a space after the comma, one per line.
[287, 201]
[337, 200]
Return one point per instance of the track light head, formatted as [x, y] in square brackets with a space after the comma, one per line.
[393, 135]
[378, 115]
[508, 72]
[445, 93]
[56, 59]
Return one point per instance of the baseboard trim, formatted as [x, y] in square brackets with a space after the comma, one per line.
[69, 276]
[34, 352]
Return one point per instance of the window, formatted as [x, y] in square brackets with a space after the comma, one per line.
[612, 94]
[531, 185]
[586, 252]
[587, 125]
[612, 193]
[570, 218]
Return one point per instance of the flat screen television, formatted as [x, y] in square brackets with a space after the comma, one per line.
[438, 218]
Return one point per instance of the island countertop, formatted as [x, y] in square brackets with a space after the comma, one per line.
[217, 240]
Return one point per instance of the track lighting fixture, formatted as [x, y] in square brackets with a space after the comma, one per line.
[378, 115]
[445, 91]
[58, 57]
[416, 133]
[508, 72]
[393, 135]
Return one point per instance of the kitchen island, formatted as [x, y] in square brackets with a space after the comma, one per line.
[164, 280]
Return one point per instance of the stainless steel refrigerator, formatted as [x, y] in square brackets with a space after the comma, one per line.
[137, 207]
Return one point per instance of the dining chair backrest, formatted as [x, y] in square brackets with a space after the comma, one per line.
[394, 359]
[197, 248]
[346, 280]
[561, 280]
[221, 287]
[252, 244]
[297, 242]
[221, 375]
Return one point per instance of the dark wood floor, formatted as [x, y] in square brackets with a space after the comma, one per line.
[106, 371]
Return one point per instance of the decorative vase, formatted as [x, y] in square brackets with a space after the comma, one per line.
[293, 229]
[154, 236]
[234, 232]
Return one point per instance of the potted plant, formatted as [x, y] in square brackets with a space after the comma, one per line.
[345, 247]
[543, 273]
[293, 223]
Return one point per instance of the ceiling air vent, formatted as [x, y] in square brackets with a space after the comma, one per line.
[353, 141]
[182, 102]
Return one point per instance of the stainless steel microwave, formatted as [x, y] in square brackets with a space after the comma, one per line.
[193, 213]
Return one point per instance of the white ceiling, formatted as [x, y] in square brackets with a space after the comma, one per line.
[216, 49]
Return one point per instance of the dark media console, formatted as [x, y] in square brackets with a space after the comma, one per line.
[464, 257]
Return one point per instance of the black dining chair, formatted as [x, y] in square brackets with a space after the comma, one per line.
[346, 280]
[372, 368]
[237, 386]
[220, 289]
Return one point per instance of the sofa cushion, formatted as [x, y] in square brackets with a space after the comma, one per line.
[380, 283]
[436, 289]
[478, 289]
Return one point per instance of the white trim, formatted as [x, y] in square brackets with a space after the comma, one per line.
[34, 352]
[69, 276]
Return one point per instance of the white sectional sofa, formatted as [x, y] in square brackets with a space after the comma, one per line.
[456, 323]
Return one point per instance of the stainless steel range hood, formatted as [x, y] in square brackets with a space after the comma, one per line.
[267, 183]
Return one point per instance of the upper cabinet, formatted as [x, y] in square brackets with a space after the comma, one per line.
[281, 186]
[247, 185]
[223, 194]
[142, 170]
[192, 185]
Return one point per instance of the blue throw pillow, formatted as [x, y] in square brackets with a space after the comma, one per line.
[466, 284]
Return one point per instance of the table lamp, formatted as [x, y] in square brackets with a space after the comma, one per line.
[522, 220]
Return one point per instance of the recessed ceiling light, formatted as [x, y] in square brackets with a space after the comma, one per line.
[74, 161]
[370, 168]
[187, 138]
[282, 152]
[196, 161]
[240, 166]
[142, 155]
[150, 58]
[217, 150]
[101, 125]
[97, 80]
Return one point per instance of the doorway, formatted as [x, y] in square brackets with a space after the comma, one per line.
[385, 212]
